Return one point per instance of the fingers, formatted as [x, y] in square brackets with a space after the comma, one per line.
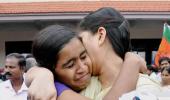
[34, 96]
[53, 98]
[45, 91]
[30, 96]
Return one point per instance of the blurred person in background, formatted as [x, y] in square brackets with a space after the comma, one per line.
[164, 62]
[14, 87]
[30, 61]
[152, 72]
[165, 75]
[2, 78]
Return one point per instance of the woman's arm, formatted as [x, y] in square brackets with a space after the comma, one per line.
[127, 80]
[128, 76]
[41, 84]
[71, 95]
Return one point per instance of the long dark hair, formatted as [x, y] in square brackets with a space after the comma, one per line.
[48, 43]
[116, 27]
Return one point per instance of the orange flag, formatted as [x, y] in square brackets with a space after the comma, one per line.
[164, 47]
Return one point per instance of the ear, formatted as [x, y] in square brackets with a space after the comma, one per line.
[101, 34]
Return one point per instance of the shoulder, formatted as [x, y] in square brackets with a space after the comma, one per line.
[145, 79]
[145, 83]
[4, 86]
[4, 83]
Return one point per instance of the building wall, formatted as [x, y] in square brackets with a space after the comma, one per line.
[146, 29]
[25, 32]
[14, 32]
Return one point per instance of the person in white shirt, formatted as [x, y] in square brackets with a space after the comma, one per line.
[14, 87]
[145, 94]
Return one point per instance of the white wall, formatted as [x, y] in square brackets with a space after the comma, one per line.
[14, 32]
[146, 29]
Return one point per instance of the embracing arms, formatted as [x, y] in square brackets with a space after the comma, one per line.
[41, 84]
[127, 80]
[128, 76]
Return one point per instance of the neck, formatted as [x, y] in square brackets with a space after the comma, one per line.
[17, 83]
[165, 83]
[110, 69]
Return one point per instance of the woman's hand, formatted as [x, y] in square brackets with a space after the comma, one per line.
[41, 84]
[128, 76]
[138, 61]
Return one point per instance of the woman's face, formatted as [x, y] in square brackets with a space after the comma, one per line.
[74, 65]
[91, 43]
[165, 77]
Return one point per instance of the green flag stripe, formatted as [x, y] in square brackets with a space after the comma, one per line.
[166, 32]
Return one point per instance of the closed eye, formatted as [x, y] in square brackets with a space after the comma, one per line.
[83, 55]
[69, 64]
